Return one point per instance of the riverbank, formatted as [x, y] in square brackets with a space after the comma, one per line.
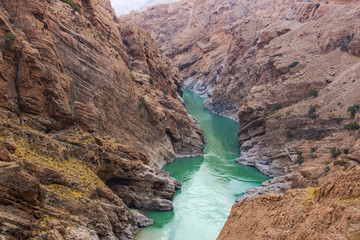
[210, 183]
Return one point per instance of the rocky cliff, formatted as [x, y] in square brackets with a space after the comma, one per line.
[288, 72]
[89, 111]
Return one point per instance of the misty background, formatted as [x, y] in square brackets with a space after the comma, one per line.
[126, 6]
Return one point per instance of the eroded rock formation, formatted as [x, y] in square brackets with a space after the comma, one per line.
[288, 72]
[89, 111]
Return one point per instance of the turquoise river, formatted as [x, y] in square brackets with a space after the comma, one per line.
[210, 183]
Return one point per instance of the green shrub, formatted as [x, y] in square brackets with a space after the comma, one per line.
[288, 134]
[313, 92]
[151, 80]
[130, 68]
[300, 158]
[133, 78]
[313, 149]
[346, 151]
[312, 112]
[352, 126]
[335, 152]
[142, 101]
[293, 64]
[9, 39]
[274, 107]
[279, 55]
[353, 109]
[101, 36]
[72, 4]
[165, 92]
[327, 169]
[317, 5]
[128, 210]
[338, 120]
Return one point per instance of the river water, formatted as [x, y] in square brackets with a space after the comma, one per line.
[210, 183]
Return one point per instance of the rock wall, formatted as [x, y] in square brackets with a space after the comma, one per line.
[288, 72]
[89, 111]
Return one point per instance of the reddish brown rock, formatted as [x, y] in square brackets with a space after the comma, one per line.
[91, 105]
[329, 212]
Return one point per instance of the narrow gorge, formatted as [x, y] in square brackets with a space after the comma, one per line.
[93, 114]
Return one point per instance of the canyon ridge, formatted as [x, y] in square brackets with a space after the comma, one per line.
[91, 109]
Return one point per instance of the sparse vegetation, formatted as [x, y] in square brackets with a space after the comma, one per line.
[338, 120]
[274, 107]
[353, 109]
[288, 134]
[335, 152]
[293, 64]
[128, 210]
[313, 149]
[312, 112]
[270, 61]
[151, 80]
[69, 167]
[352, 126]
[317, 5]
[279, 55]
[313, 92]
[165, 92]
[142, 101]
[73, 5]
[9, 39]
[327, 169]
[101, 37]
[300, 158]
[133, 78]
[130, 68]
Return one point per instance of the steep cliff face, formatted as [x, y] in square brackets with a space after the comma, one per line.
[255, 58]
[89, 110]
[288, 71]
[222, 48]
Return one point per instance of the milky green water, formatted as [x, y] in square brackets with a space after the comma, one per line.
[210, 183]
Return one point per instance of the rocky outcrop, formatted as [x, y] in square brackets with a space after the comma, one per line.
[258, 62]
[329, 211]
[288, 72]
[224, 49]
[89, 111]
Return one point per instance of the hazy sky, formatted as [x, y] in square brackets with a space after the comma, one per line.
[125, 6]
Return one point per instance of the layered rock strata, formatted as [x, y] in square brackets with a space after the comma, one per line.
[260, 61]
[288, 72]
[89, 111]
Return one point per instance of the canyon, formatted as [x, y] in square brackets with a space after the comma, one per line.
[288, 72]
[91, 110]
